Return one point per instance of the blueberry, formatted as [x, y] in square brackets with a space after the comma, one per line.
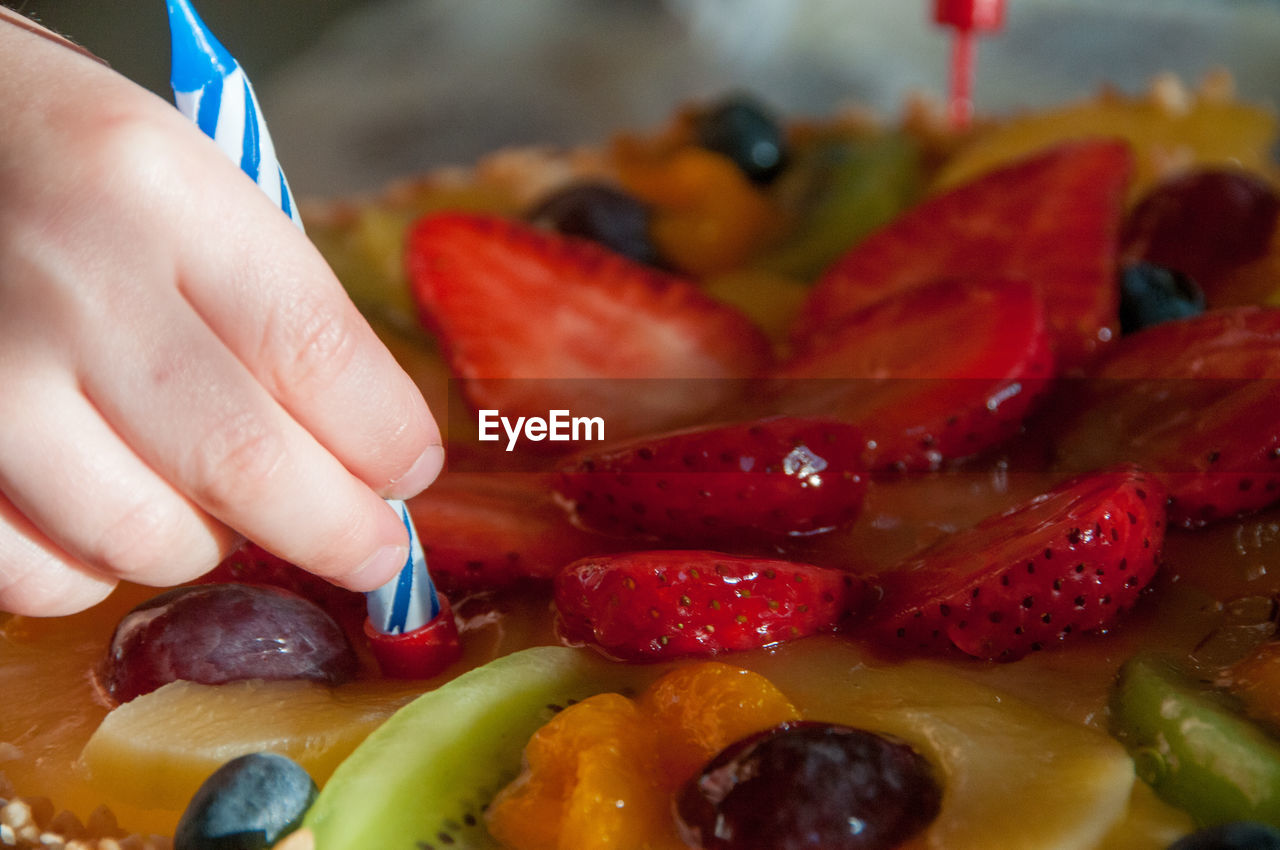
[805, 785]
[249, 803]
[1151, 294]
[602, 214]
[1240, 835]
[743, 130]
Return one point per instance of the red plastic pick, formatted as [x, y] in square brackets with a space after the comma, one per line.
[967, 18]
[421, 653]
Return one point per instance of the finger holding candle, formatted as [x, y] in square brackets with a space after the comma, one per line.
[212, 90]
[98, 233]
[277, 306]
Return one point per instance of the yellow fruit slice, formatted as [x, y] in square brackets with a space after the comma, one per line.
[1071, 784]
[157, 749]
[1170, 129]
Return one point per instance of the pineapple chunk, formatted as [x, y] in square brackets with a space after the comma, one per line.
[157, 749]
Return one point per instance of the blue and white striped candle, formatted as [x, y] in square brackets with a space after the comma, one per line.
[211, 89]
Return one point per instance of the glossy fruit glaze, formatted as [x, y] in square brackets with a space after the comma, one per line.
[1210, 603]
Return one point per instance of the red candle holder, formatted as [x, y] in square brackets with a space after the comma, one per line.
[421, 653]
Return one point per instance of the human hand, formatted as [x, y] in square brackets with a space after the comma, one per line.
[179, 366]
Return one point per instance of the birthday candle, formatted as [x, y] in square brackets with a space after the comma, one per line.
[212, 90]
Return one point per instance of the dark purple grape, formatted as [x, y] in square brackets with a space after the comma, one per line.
[216, 633]
[249, 803]
[602, 214]
[809, 785]
[1203, 224]
[1240, 835]
[1151, 294]
[743, 130]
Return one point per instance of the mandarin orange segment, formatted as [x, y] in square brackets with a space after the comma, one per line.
[527, 815]
[700, 709]
[617, 803]
[707, 217]
[586, 780]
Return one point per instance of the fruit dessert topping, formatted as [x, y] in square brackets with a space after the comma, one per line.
[742, 128]
[1237, 835]
[725, 752]
[1065, 207]
[603, 214]
[757, 481]
[1071, 560]
[664, 289]
[704, 177]
[672, 603]
[249, 803]
[217, 633]
[1151, 294]
[1194, 745]
[604, 771]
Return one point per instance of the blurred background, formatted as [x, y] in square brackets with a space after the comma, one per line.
[360, 91]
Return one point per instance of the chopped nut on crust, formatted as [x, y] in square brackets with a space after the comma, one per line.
[32, 824]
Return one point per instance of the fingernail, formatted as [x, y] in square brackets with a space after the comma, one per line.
[378, 568]
[423, 472]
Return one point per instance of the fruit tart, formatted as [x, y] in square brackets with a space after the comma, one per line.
[826, 483]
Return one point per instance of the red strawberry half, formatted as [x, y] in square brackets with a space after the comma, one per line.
[1196, 402]
[1052, 220]
[488, 531]
[936, 372]
[533, 321]
[1069, 561]
[760, 481]
[655, 605]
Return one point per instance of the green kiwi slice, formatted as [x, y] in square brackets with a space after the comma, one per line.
[422, 780]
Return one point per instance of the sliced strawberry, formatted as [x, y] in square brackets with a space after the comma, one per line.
[1052, 220]
[1197, 402]
[761, 481]
[488, 531]
[936, 372]
[1069, 561]
[654, 605]
[533, 321]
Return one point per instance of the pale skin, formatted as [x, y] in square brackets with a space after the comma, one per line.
[179, 368]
